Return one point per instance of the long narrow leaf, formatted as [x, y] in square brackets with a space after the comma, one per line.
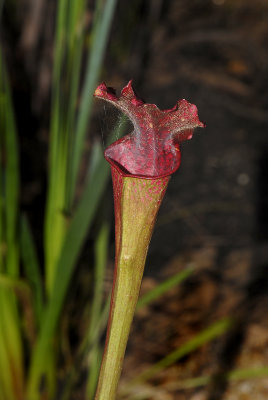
[101, 249]
[85, 349]
[100, 38]
[11, 189]
[72, 245]
[95, 363]
[76, 33]
[31, 267]
[74, 240]
[163, 287]
[210, 333]
[232, 376]
[10, 333]
[66, 73]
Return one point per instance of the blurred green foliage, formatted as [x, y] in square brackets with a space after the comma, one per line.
[63, 236]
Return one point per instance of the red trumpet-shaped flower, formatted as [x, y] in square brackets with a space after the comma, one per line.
[152, 149]
[141, 164]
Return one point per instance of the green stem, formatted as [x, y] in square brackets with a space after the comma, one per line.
[125, 297]
[137, 201]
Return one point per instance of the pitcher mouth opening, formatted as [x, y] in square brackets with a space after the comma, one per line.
[125, 173]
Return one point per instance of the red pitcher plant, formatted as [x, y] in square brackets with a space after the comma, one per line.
[142, 163]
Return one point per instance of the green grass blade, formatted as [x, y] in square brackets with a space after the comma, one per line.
[86, 347]
[95, 364]
[232, 376]
[6, 382]
[11, 189]
[11, 342]
[70, 32]
[85, 350]
[9, 288]
[55, 128]
[55, 221]
[247, 373]
[32, 268]
[76, 38]
[65, 139]
[70, 252]
[100, 35]
[10, 327]
[210, 333]
[163, 287]
[2, 178]
[101, 250]
[79, 226]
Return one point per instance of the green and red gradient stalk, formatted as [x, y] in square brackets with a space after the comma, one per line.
[141, 163]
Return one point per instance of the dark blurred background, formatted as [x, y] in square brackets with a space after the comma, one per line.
[214, 53]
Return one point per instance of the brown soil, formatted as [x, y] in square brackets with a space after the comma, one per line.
[206, 297]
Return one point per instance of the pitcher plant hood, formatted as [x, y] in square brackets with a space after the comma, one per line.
[153, 148]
